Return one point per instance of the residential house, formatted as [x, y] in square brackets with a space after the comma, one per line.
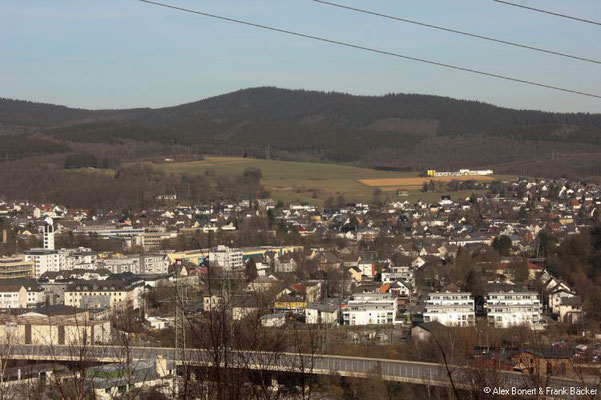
[547, 361]
[424, 331]
[13, 296]
[570, 310]
[244, 306]
[316, 313]
[285, 264]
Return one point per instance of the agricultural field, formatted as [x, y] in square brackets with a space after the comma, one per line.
[416, 182]
[291, 181]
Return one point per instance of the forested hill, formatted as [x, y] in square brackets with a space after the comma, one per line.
[399, 130]
[299, 106]
[269, 104]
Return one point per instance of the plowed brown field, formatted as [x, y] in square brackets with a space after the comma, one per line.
[419, 180]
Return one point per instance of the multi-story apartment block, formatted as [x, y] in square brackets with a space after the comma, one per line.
[121, 265]
[154, 264]
[77, 258]
[506, 309]
[106, 231]
[226, 258]
[16, 267]
[121, 295]
[450, 308]
[153, 240]
[370, 309]
[44, 260]
[404, 272]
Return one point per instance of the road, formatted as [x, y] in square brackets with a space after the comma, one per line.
[391, 370]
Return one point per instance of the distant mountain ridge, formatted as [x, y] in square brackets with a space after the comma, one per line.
[400, 130]
[294, 105]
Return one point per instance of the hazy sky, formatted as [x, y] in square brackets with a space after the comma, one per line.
[125, 53]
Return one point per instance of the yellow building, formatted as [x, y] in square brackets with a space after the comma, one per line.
[113, 294]
[152, 240]
[16, 267]
[194, 256]
[290, 303]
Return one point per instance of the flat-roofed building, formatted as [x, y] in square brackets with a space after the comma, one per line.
[227, 258]
[44, 260]
[16, 267]
[153, 240]
[370, 309]
[450, 308]
[507, 309]
[121, 265]
[154, 264]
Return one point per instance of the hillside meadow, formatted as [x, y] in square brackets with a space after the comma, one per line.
[291, 181]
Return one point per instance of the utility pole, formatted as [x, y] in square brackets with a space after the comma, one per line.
[325, 325]
[180, 327]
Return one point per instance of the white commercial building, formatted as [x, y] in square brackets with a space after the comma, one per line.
[506, 309]
[370, 309]
[450, 308]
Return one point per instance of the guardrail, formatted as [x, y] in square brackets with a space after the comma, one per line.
[321, 364]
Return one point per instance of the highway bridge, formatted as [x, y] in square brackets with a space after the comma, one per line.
[319, 364]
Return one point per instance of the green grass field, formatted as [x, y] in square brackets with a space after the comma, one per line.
[291, 181]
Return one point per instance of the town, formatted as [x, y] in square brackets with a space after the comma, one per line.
[481, 274]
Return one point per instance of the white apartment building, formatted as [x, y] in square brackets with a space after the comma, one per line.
[81, 257]
[450, 308]
[154, 264]
[44, 260]
[370, 309]
[106, 231]
[405, 275]
[506, 309]
[121, 265]
[226, 258]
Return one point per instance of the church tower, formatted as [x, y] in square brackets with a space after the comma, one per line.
[49, 234]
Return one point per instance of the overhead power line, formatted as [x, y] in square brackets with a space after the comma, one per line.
[588, 21]
[372, 50]
[524, 46]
